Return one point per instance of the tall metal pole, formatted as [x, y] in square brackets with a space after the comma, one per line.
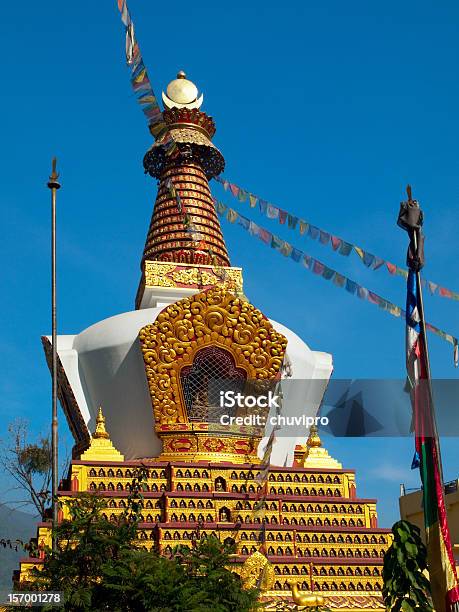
[54, 185]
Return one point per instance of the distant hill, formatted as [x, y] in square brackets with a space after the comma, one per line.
[14, 524]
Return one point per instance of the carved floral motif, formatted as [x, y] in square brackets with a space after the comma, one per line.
[213, 317]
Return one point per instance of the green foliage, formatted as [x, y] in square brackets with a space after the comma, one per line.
[36, 458]
[98, 567]
[206, 564]
[406, 588]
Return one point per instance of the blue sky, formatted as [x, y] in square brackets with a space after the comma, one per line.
[325, 109]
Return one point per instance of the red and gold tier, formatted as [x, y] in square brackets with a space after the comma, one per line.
[314, 531]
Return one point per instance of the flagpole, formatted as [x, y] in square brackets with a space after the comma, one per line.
[422, 322]
[54, 185]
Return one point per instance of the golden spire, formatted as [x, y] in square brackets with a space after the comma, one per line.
[101, 447]
[100, 431]
[312, 454]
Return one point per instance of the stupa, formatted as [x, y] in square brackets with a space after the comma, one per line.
[149, 370]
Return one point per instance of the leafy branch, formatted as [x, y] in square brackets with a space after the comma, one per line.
[406, 588]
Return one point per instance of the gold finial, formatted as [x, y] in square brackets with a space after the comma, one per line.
[100, 432]
[181, 74]
[314, 440]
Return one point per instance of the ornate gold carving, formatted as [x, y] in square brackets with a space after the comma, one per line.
[156, 274]
[159, 274]
[213, 317]
[186, 446]
[228, 279]
[257, 571]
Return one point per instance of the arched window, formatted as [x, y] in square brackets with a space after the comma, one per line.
[209, 363]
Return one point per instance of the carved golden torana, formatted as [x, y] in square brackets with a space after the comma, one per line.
[210, 318]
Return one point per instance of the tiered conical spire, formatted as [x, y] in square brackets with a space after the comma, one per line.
[183, 158]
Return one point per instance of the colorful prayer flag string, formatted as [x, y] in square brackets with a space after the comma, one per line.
[369, 260]
[320, 269]
[139, 77]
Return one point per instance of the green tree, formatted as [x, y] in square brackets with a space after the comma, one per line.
[406, 588]
[207, 565]
[29, 465]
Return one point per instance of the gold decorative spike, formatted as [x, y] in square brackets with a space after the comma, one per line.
[100, 432]
[316, 456]
[101, 447]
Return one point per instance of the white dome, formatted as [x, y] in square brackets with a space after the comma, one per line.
[105, 367]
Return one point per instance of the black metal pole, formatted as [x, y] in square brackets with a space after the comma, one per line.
[422, 323]
[54, 185]
[411, 219]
